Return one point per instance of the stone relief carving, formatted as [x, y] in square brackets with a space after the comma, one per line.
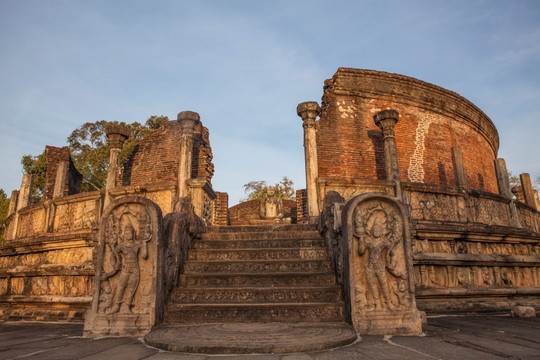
[375, 226]
[128, 281]
[181, 229]
[330, 228]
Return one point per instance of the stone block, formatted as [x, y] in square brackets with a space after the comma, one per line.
[523, 311]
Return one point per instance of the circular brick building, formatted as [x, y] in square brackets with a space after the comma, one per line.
[432, 121]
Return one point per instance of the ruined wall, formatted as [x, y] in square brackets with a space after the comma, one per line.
[242, 213]
[155, 158]
[55, 156]
[221, 209]
[432, 121]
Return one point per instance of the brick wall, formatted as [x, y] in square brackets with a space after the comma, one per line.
[301, 204]
[221, 209]
[155, 159]
[54, 156]
[242, 213]
[432, 121]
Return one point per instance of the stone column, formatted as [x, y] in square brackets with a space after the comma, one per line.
[25, 195]
[528, 192]
[504, 190]
[502, 178]
[386, 120]
[309, 111]
[459, 170]
[61, 179]
[13, 202]
[188, 120]
[116, 135]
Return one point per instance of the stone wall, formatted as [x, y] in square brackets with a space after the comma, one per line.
[432, 121]
[242, 213]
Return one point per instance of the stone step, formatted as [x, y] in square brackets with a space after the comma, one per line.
[317, 253]
[261, 228]
[261, 235]
[249, 295]
[258, 266]
[269, 312]
[268, 280]
[259, 244]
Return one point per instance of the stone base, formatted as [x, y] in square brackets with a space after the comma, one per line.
[117, 325]
[250, 338]
[389, 323]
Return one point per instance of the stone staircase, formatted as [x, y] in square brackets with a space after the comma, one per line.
[269, 273]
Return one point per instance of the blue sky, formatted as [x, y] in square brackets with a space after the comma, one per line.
[245, 65]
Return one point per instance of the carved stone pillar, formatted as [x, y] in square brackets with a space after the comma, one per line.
[459, 170]
[309, 111]
[188, 120]
[386, 120]
[116, 135]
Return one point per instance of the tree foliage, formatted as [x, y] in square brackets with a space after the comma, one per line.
[259, 189]
[4, 205]
[90, 152]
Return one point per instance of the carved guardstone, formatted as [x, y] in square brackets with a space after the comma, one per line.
[128, 285]
[380, 278]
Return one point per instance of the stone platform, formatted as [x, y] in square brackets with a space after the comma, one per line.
[249, 338]
[448, 337]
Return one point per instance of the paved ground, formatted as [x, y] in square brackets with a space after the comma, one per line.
[486, 337]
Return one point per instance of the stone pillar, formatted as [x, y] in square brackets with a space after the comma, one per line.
[502, 178]
[25, 195]
[61, 179]
[505, 190]
[116, 135]
[309, 111]
[386, 120]
[13, 202]
[528, 192]
[459, 170]
[188, 120]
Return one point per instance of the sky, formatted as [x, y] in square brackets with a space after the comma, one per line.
[245, 65]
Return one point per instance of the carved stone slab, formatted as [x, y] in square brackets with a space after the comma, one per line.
[128, 294]
[379, 260]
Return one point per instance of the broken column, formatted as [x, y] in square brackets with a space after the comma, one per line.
[505, 190]
[116, 135]
[61, 179]
[188, 120]
[13, 202]
[309, 111]
[25, 194]
[528, 192]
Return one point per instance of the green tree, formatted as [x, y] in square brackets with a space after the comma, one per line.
[90, 152]
[4, 205]
[258, 189]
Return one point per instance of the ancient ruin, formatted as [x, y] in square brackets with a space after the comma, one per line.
[407, 208]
